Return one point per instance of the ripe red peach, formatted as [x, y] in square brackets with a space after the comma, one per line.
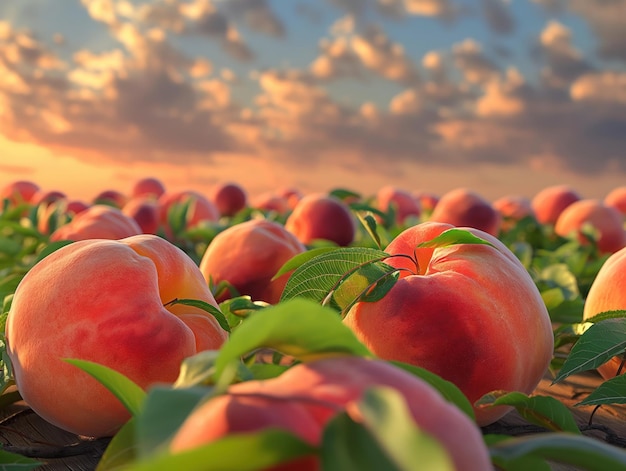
[76, 206]
[616, 198]
[200, 208]
[608, 293]
[462, 207]
[148, 186]
[427, 200]
[512, 209]
[607, 220]
[550, 202]
[230, 198]
[404, 203]
[470, 313]
[304, 398]
[46, 197]
[321, 216]
[269, 201]
[99, 221]
[113, 198]
[105, 301]
[248, 255]
[19, 191]
[292, 195]
[145, 211]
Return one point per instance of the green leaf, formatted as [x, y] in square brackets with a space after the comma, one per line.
[371, 227]
[521, 463]
[369, 283]
[611, 391]
[14, 462]
[206, 307]
[448, 390]
[164, 411]
[239, 308]
[596, 346]
[382, 435]
[238, 452]
[121, 450]
[544, 411]
[454, 237]
[580, 451]
[614, 314]
[297, 260]
[319, 276]
[198, 370]
[129, 393]
[343, 194]
[298, 327]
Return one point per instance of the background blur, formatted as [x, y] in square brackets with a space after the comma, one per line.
[503, 96]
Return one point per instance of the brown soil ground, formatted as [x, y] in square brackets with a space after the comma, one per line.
[22, 431]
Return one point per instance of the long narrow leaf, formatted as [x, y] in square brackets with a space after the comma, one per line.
[129, 393]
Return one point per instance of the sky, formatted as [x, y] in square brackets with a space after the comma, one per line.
[501, 96]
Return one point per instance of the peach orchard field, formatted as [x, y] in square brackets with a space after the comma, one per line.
[157, 330]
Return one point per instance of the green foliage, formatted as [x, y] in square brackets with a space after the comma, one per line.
[544, 411]
[599, 343]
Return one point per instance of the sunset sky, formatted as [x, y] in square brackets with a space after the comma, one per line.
[502, 96]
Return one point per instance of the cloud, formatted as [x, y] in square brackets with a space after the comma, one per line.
[355, 54]
[471, 60]
[564, 63]
[257, 15]
[607, 19]
[142, 95]
[498, 16]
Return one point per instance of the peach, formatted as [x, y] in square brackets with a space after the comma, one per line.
[270, 202]
[608, 293]
[113, 198]
[105, 301]
[606, 220]
[427, 200]
[550, 202]
[47, 197]
[292, 195]
[99, 221]
[248, 255]
[403, 202]
[145, 211]
[76, 206]
[200, 208]
[305, 397]
[513, 208]
[616, 198]
[321, 216]
[19, 191]
[148, 186]
[462, 207]
[470, 313]
[230, 198]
